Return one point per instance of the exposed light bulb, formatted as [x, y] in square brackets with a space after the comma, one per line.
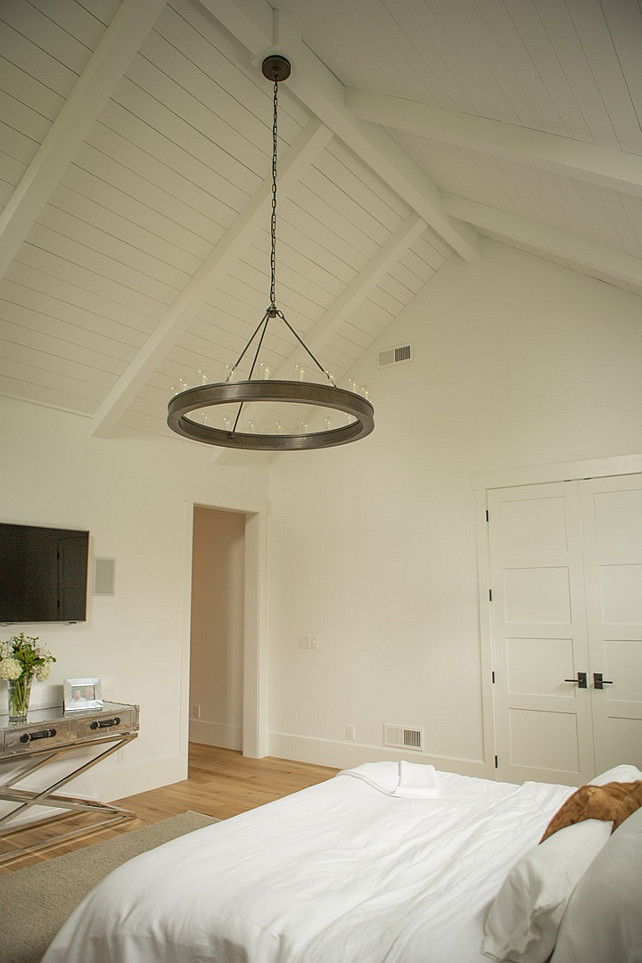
[298, 372]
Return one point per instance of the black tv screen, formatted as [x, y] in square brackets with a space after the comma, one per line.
[43, 574]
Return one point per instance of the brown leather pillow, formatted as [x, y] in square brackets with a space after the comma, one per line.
[612, 802]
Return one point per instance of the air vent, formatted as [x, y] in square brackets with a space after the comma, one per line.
[398, 355]
[403, 737]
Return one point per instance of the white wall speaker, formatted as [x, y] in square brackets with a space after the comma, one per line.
[104, 576]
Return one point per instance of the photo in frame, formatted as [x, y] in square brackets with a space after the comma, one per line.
[82, 694]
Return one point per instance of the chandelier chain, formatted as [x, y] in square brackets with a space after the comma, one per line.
[273, 215]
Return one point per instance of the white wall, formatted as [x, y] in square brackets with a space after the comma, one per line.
[373, 546]
[130, 492]
[216, 666]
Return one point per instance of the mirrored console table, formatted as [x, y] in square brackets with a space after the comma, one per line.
[45, 737]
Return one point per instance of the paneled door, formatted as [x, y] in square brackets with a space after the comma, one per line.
[612, 529]
[566, 622]
[538, 615]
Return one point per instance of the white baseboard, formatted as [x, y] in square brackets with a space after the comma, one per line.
[112, 780]
[345, 755]
[216, 734]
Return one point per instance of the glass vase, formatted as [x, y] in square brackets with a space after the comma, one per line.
[19, 693]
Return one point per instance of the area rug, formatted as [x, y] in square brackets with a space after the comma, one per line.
[36, 901]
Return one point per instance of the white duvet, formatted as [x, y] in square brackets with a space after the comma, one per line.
[343, 872]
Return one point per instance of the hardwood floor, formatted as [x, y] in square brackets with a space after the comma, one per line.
[221, 783]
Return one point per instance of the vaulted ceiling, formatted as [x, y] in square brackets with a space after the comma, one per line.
[135, 175]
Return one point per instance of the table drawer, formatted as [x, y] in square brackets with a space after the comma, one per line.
[39, 738]
[123, 720]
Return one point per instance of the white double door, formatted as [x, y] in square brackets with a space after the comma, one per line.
[566, 620]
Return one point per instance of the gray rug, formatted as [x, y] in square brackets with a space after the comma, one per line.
[36, 901]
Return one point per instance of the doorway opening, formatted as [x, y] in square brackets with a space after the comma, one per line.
[217, 628]
[234, 513]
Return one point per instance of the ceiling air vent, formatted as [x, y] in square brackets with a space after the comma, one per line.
[403, 737]
[398, 355]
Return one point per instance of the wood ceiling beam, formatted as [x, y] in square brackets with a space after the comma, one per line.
[250, 21]
[117, 48]
[365, 281]
[320, 91]
[604, 166]
[576, 250]
[310, 143]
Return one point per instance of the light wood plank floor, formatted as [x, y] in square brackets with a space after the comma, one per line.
[221, 783]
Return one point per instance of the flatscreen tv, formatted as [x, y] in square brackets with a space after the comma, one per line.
[43, 574]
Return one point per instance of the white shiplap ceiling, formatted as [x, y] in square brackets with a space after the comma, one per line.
[135, 144]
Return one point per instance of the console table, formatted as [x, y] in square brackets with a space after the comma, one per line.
[47, 735]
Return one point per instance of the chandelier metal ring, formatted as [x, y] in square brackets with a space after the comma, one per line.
[315, 395]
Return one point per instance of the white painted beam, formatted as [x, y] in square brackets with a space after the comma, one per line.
[309, 144]
[359, 288]
[576, 250]
[320, 91]
[366, 280]
[604, 166]
[250, 21]
[119, 45]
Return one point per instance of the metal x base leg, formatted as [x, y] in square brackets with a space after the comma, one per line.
[26, 799]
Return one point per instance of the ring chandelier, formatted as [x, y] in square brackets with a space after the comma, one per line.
[356, 411]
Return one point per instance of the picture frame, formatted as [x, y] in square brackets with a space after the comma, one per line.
[83, 693]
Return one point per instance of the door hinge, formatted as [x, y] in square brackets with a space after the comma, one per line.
[496, 763]
[487, 515]
[493, 676]
[490, 595]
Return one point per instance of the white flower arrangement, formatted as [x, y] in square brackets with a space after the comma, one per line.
[25, 655]
[10, 669]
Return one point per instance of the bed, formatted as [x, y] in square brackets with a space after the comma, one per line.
[372, 866]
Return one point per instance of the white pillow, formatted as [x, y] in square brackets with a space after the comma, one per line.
[524, 918]
[617, 774]
[603, 920]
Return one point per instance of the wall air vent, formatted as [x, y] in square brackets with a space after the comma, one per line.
[403, 737]
[398, 355]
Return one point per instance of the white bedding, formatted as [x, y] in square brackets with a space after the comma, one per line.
[343, 872]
